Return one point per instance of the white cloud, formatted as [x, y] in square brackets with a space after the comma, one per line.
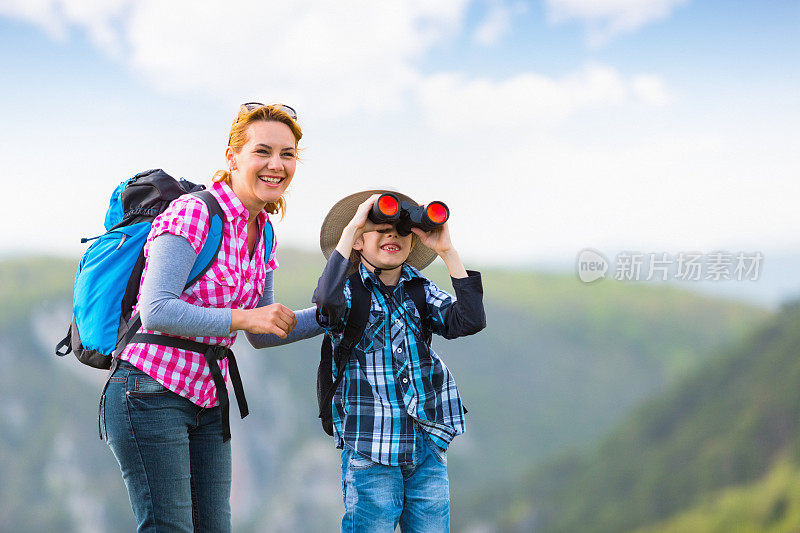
[43, 13]
[497, 22]
[605, 19]
[330, 58]
[325, 56]
[530, 100]
[55, 17]
[650, 89]
[99, 18]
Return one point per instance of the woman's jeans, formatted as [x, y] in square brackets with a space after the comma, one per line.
[174, 463]
[378, 497]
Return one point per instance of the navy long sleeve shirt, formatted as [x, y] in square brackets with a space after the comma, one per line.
[394, 384]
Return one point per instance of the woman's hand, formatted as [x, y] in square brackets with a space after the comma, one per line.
[275, 318]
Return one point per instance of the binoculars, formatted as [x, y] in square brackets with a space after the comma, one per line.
[388, 209]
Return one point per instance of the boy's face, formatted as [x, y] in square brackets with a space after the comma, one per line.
[384, 249]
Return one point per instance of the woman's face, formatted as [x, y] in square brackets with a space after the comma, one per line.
[264, 167]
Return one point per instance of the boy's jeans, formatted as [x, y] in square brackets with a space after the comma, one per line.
[175, 465]
[377, 497]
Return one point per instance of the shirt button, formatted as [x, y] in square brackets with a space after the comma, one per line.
[405, 380]
[399, 350]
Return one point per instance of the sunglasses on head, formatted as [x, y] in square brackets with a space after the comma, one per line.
[252, 106]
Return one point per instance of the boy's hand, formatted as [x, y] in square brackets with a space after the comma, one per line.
[437, 240]
[358, 226]
[361, 222]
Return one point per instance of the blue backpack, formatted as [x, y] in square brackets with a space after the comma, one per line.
[110, 271]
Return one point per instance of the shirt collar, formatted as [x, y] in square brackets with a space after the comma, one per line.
[408, 272]
[231, 205]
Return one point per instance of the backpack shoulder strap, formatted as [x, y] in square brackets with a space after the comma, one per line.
[206, 257]
[353, 331]
[359, 313]
[216, 223]
[269, 239]
[416, 290]
[355, 325]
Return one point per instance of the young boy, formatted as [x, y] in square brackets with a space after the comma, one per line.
[397, 407]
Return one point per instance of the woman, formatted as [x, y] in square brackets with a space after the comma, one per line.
[161, 413]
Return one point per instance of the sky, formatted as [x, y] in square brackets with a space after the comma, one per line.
[547, 127]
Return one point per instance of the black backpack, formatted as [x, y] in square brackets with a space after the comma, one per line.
[353, 331]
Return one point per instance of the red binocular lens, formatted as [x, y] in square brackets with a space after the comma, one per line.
[388, 205]
[437, 212]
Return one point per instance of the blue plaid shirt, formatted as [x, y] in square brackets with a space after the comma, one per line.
[394, 384]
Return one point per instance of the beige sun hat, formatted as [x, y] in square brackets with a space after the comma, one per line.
[343, 212]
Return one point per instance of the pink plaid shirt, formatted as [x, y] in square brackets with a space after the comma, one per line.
[234, 280]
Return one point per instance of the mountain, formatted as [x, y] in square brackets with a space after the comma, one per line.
[559, 364]
[720, 451]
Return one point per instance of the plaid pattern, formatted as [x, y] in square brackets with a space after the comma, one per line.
[234, 280]
[392, 380]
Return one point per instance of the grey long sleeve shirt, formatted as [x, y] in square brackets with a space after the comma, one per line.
[162, 309]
